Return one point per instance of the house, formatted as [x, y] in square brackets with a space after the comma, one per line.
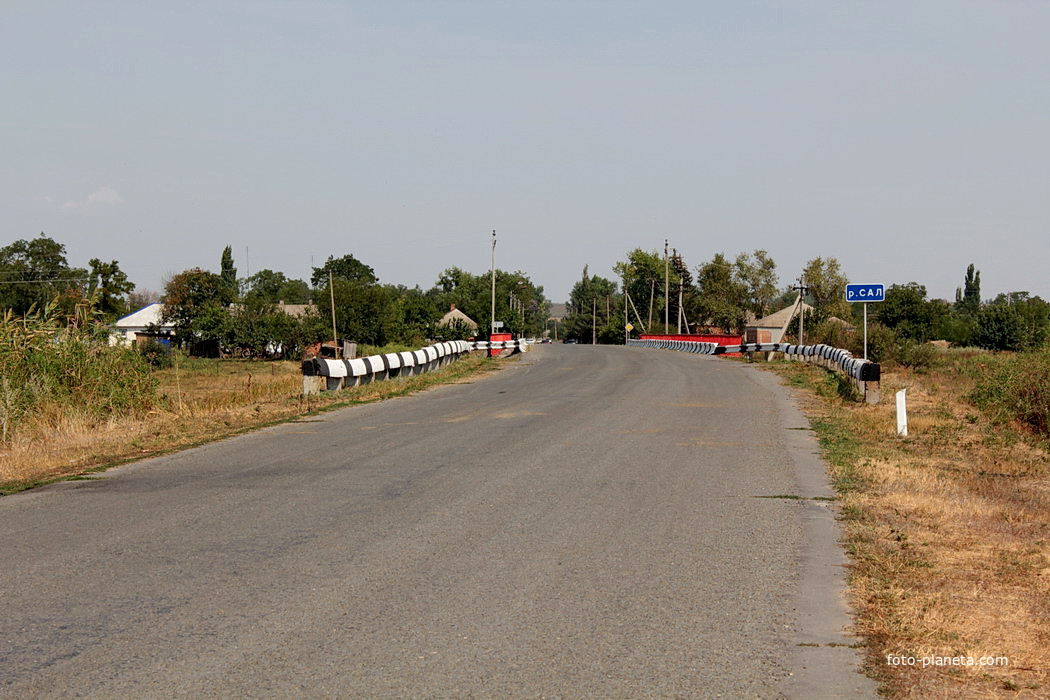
[137, 327]
[296, 310]
[771, 328]
[455, 315]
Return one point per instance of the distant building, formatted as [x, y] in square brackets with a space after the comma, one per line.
[771, 329]
[137, 327]
[296, 310]
[454, 315]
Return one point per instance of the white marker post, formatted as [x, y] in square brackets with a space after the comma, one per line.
[902, 414]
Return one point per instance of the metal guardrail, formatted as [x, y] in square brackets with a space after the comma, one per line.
[864, 373]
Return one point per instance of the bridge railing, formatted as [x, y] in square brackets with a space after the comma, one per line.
[866, 375]
[327, 374]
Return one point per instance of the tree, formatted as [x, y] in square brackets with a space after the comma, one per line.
[643, 277]
[1034, 314]
[107, 287]
[363, 312]
[195, 304]
[591, 302]
[274, 287]
[140, 298]
[35, 272]
[907, 311]
[228, 274]
[1000, 327]
[968, 299]
[520, 304]
[827, 287]
[758, 274]
[346, 268]
[721, 298]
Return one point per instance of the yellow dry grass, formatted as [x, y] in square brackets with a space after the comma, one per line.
[949, 534]
[200, 401]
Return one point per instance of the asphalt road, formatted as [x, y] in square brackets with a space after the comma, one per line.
[591, 522]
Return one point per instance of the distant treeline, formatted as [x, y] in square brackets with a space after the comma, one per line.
[219, 310]
[724, 295]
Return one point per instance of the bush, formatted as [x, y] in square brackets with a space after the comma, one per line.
[156, 353]
[883, 344]
[1017, 388]
[1000, 327]
[918, 356]
[42, 363]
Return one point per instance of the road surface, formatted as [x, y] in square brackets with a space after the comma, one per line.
[590, 522]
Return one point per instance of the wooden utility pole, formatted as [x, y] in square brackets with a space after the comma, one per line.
[667, 290]
[331, 296]
[802, 289]
[594, 320]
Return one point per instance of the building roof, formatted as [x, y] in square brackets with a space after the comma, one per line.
[143, 317]
[455, 314]
[295, 310]
[779, 319]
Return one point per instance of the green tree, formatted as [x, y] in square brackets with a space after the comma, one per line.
[907, 311]
[228, 274]
[590, 307]
[1034, 314]
[274, 287]
[968, 298]
[346, 268]
[108, 287]
[520, 303]
[643, 278]
[721, 298]
[195, 304]
[35, 272]
[757, 272]
[827, 288]
[1000, 327]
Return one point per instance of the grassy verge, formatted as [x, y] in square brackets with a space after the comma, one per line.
[200, 401]
[948, 529]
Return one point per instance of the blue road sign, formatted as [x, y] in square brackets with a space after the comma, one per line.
[865, 292]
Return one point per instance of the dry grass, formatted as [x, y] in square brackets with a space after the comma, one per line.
[948, 530]
[201, 400]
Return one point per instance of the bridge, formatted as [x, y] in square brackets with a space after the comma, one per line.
[590, 522]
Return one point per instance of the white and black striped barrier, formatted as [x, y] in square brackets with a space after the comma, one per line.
[864, 373]
[325, 374]
[517, 345]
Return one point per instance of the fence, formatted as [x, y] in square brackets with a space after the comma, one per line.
[865, 374]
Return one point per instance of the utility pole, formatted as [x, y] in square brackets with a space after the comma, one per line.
[667, 292]
[677, 268]
[331, 296]
[802, 289]
[594, 320]
[492, 325]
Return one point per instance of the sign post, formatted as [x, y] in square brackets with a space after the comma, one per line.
[865, 294]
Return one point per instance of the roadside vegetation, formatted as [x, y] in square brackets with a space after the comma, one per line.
[948, 529]
[193, 401]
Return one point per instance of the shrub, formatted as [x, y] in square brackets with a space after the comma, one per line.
[42, 363]
[156, 353]
[1017, 388]
[918, 356]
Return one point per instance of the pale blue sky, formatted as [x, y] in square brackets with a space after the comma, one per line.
[907, 139]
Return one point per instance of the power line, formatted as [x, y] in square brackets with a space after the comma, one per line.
[42, 281]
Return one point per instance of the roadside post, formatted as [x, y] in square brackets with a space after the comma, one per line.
[627, 332]
[865, 294]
